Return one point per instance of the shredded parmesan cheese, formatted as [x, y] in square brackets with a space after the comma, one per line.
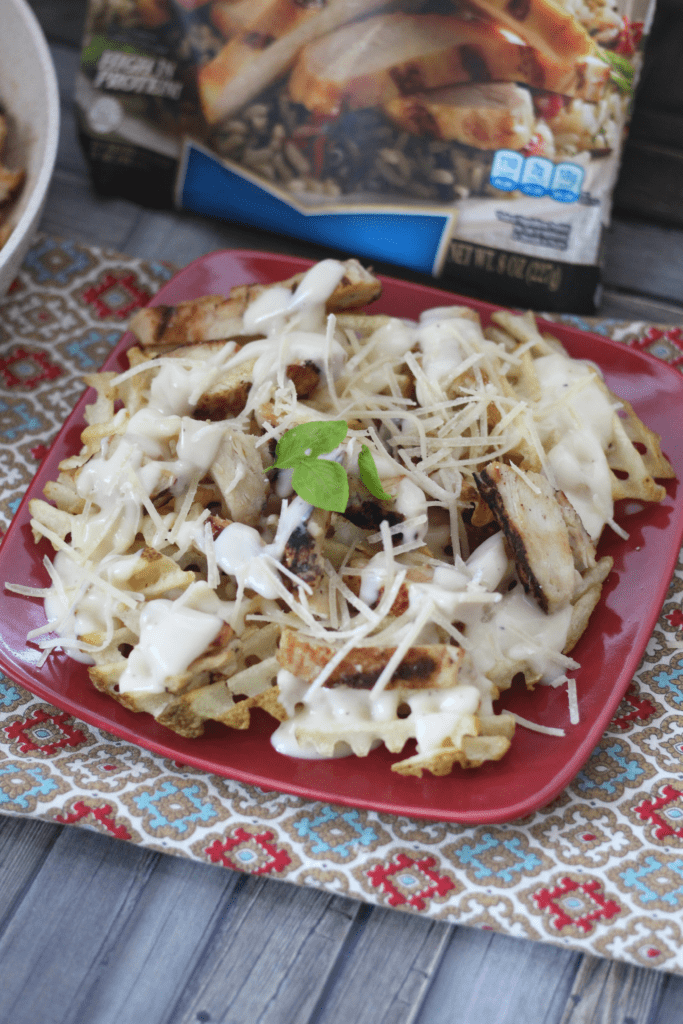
[546, 730]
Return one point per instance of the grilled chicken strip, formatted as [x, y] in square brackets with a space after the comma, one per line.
[368, 512]
[583, 548]
[536, 531]
[422, 667]
[303, 554]
[215, 318]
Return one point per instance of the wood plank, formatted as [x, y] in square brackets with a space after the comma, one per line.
[621, 306]
[24, 846]
[605, 992]
[69, 153]
[183, 237]
[650, 183]
[384, 975]
[652, 126]
[661, 82]
[670, 1006]
[488, 978]
[74, 211]
[644, 259]
[151, 950]
[270, 956]
[106, 932]
[152, 919]
[66, 60]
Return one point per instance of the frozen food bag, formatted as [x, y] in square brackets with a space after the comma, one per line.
[475, 141]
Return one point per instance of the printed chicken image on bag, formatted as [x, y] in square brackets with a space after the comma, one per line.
[477, 141]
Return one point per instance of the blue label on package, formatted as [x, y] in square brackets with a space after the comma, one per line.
[417, 240]
[506, 170]
[536, 176]
[565, 186]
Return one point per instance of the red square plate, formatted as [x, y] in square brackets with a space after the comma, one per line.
[537, 767]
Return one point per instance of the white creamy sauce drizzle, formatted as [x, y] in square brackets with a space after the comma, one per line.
[411, 503]
[294, 323]
[443, 343]
[179, 384]
[171, 637]
[270, 311]
[435, 714]
[517, 630]
[242, 552]
[106, 482]
[198, 445]
[295, 347]
[583, 426]
[161, 447]
[73, 612]
[373, 578]
[283, 483]
[394, 338]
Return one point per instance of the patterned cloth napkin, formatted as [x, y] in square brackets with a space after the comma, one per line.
[599, 870]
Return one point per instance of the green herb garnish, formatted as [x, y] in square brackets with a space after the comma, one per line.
[370, 476]
[321, 482]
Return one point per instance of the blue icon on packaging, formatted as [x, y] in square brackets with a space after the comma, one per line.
[565, 186]
[506, 170]
[536, 176]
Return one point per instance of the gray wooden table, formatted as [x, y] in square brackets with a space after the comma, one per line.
[95, 931]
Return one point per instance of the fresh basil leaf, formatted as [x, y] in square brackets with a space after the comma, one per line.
[370, 476]
[322, 483]
[308, 440]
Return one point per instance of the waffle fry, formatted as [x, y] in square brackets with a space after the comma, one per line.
[200, 587]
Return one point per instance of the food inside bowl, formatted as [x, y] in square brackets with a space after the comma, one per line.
[200, 582]
[11, 183]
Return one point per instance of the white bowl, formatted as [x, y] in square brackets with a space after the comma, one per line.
[30, 97]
